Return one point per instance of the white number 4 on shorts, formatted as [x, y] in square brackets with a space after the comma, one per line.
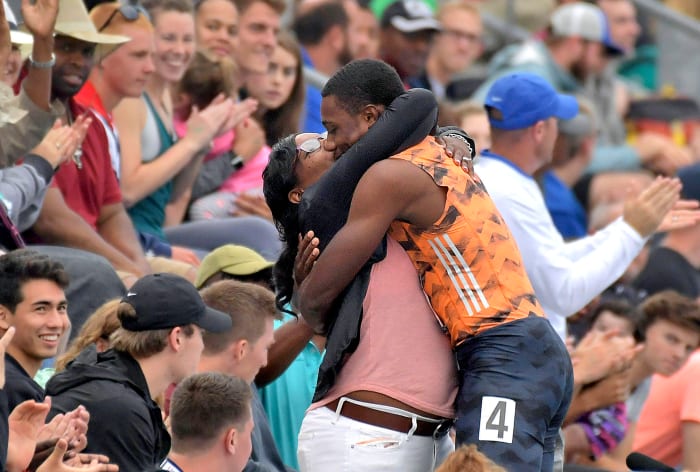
[497, 419]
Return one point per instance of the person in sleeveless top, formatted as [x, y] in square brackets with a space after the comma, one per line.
[377, 412]
[155, 167]
[515, 373]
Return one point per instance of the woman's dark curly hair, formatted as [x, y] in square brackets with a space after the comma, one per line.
[279, 179]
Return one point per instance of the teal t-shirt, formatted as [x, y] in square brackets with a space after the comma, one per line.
[286, 399]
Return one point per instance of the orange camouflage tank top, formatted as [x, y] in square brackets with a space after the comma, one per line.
[468, 261]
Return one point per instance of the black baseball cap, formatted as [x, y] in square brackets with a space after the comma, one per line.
[163, 301]
[410, 16]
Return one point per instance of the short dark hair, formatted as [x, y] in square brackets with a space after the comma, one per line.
[670, 306]
[203, 406]
[364, 82]
[312, 26]
[23, 265]
[621, 300]
[198, 3]
[621, 308]
[248, 305]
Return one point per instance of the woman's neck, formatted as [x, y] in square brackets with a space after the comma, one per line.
[158, 92]
[157, 89]
[156, 83]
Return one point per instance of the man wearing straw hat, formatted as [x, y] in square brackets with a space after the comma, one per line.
[84, 207]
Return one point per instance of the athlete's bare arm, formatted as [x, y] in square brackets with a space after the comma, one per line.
[389, 190]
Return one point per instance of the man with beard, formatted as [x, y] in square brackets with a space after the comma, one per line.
[408, 28]
[322, 30]
[575, 37]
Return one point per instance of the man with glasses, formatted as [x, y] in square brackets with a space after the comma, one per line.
[453, 50]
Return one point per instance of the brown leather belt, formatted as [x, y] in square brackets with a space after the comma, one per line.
[390, 421]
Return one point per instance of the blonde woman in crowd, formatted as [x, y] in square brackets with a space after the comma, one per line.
[96, 331]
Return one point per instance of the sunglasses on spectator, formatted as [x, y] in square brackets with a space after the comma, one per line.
[129, 12]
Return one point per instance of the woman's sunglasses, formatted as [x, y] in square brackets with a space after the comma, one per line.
[312, 144]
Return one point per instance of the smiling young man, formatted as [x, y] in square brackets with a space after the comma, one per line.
[258, 26]
[32, 300]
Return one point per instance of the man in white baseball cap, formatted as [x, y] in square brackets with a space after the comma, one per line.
[572, 50]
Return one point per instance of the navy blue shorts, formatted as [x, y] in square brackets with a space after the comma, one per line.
[516, 382]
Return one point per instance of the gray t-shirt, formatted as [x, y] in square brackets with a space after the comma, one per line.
[636, 400]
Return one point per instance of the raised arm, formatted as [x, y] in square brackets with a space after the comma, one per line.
[40, 18]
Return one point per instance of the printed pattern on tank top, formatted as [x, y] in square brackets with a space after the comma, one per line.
[468, 261]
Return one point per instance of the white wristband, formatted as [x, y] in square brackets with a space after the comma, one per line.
[43, 65]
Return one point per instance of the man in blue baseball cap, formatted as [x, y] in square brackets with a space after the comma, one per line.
[527, 101]
[523, 110]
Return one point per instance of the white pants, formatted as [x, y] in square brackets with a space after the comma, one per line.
[331, 442]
